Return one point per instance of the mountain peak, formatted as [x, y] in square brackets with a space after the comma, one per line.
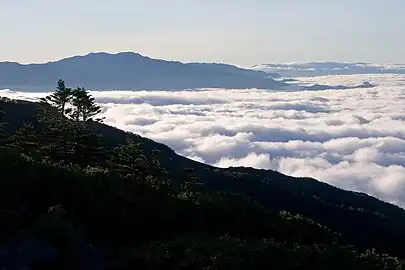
[95, 55]
[132, 71]
[128, 53]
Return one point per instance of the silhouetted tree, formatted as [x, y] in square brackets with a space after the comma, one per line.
[191, 187]
[2, 124]
[87, 146]
[67, 140]
[55, 132]
[131, 161]
[57, 138]
[60, 98]
[84, 107]
[26, 141]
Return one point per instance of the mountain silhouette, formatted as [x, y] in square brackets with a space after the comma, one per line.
[320, 87]
[131, 71]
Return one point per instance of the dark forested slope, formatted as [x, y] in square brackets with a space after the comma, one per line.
[78, 194]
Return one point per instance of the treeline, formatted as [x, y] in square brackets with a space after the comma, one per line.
[69, 202]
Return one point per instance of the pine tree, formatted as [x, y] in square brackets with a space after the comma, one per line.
[86, 146]
[68, 141]
[60, 98]
[191, 187]
[84, 107]
[77, 103]
[2, 124]
[130, 161]
[4, 139]
[26, 141]
[55, 131]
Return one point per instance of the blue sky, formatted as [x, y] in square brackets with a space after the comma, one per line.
[242, 32]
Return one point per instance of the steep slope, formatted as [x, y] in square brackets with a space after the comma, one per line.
[363, 220]
[130, 71]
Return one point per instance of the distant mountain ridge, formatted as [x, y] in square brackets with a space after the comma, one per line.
[307, 69]
[131, 71]
[320, 87]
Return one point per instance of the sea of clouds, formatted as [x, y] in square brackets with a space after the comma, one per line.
[353, 139]
[330, 68]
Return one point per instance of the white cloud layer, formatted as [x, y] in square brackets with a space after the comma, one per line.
[330, 68]
[354, 139]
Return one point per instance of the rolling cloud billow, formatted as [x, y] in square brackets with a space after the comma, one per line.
[351, 138]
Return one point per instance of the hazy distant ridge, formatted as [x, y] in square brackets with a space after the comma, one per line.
[131, 71]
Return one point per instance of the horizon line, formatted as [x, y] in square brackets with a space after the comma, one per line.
[201, 61]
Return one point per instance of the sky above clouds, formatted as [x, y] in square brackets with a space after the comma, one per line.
[239, 31]
[353, 139]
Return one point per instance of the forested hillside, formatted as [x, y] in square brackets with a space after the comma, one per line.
[77, 194]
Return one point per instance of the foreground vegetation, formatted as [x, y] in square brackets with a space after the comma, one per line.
[75, 197]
